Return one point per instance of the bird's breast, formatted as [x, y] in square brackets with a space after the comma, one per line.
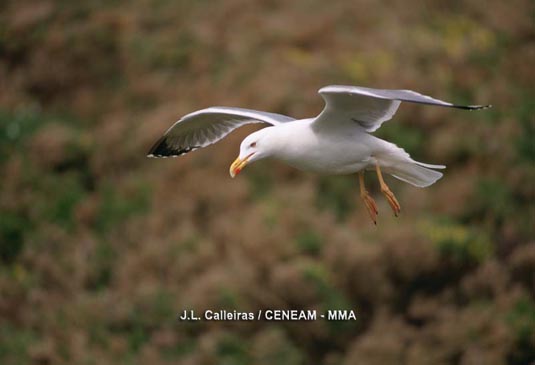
[326, 154]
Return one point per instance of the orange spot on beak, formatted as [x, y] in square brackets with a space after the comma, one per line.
[238, 165]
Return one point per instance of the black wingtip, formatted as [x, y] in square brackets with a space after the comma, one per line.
[472, 107]
[162, 149]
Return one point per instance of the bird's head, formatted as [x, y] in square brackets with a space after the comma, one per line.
[255, 146]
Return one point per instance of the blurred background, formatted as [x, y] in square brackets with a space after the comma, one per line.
[101, 248]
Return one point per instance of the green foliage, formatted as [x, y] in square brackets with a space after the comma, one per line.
[13, 227]
[162, 305]
[330, 296]
[184, 347]
[316, 273]
[14, 343]
[59, 195]
[337, 193]
[309, 242]
[525, 143]
[116, 206]
[464, 245]
[135, 329]
[232, 350]
[228, 298]
[137, 335]
[494, 198]
[521, 319]
[499, 203]
[260, 180]
[278, 349]
[164, 53]
[16, 127]
[99, 335]
[102, 264]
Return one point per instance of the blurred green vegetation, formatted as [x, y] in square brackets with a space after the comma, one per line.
[525, 142]
[464, 245]
[232, 349]
[116, 206]
[309, 242]
[15, 128]
[521, 318]
[12, 228]
[100, 248]
[15, 343]
[338, 194]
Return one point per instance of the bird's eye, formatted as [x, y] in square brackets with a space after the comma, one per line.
[252, 144]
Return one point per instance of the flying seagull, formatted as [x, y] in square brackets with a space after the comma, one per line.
[337, 141]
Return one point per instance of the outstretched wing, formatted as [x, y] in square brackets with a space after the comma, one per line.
[371, 107]
[207, 126]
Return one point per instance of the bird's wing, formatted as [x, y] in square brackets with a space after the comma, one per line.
[207, 126]
[371, 107]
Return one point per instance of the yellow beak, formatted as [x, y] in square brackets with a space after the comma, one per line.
[238, 165]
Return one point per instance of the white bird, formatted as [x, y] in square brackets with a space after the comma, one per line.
[337, 141]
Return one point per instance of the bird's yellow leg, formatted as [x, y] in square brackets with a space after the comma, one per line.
[368, 200]
[396, 208]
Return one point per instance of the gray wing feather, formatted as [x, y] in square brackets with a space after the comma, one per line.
[207, 126]
[372, 107]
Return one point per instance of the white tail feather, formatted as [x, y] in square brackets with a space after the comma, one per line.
[399, 164]
[415, 174]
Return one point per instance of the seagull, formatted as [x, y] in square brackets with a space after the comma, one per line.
[338, 141]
